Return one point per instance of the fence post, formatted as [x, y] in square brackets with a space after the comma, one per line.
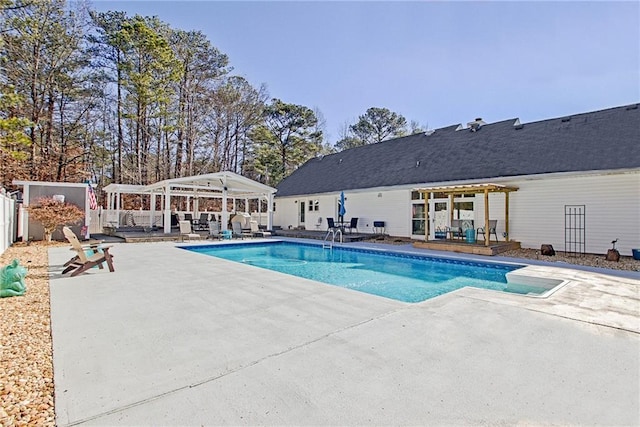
[7, 220]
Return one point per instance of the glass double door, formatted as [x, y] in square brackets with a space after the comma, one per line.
[438, 218]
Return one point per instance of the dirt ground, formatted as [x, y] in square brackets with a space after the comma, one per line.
[26, 367]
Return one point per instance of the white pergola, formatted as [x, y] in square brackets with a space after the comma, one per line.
[221, 185]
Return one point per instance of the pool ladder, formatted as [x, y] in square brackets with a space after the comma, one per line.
[332, 232]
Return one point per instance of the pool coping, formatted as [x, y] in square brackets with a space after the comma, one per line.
[515, 273]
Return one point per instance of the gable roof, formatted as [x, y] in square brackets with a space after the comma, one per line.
[600, 140]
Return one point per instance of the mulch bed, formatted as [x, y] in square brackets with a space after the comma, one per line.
[26, 365]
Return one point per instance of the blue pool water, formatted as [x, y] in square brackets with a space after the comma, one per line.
[404, 277]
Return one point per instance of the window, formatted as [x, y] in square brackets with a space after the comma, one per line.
[314, 205]
[417, 219]
[463, 210]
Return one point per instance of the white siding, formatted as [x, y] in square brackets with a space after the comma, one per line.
[536, 210]
[286, 213]
[612, 211]
[393, 207]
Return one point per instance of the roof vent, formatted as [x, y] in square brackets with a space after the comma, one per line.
[429, 132]
[476, 124]
[566, 119]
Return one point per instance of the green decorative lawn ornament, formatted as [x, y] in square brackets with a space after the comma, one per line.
[12, 280]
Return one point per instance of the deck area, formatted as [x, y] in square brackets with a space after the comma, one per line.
[138, 234]
[462, 246]
[321, 234]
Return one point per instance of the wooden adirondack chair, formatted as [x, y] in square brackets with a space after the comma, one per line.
[81, 262]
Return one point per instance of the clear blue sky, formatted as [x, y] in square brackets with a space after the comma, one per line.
[439, 63]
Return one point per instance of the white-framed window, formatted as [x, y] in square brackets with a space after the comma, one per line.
[314, 205]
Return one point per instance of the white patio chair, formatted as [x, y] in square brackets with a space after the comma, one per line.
[185, 231]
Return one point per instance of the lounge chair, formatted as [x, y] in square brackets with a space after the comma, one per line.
[214, 230]
[493, 223]
[185, 231]
[353, 224]
[82, 262]
[255, 230]
[238, 232]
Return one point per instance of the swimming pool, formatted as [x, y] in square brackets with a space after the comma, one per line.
[400, 276]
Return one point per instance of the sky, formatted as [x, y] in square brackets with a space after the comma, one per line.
[436, 63]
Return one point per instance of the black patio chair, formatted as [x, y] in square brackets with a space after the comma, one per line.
[203, 221]
[353, 224]
[175, 220]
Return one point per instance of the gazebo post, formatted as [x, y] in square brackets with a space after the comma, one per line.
[486, 217]
[451, 209]
[167, 209]
[118, 198]
[506, 215]
[225, 213]
[270, 212]
[152, 210]
[426, 215]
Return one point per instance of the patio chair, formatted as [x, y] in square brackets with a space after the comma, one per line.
[185, 231]
[238, 232]
[331, 225]
[214, 230]
[83, 261]
[203, 221]
[353, 224]
[175, 220]
[455, 229]
[255, 230]
[319, 223]
[493, 223]
[188, 217]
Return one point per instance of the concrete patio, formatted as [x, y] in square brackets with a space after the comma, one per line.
[179, 338]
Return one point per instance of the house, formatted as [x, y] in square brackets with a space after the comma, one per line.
[575, 180]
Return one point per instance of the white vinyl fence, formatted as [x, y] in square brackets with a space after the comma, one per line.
[8, 221]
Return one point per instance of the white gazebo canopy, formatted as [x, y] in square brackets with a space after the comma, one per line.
[222, 185]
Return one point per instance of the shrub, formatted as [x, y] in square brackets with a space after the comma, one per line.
[53, 214]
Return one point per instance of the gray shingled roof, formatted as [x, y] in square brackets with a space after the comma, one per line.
[600, 140]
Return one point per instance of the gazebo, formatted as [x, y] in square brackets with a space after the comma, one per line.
[222, 185]
[484, 188]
